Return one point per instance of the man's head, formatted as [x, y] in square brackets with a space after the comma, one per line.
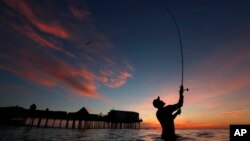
[158, 103]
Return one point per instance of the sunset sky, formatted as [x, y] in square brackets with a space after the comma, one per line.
[114, 54]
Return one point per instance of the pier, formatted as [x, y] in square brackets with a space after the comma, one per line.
[82, 119]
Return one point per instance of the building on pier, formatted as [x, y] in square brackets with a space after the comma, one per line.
[32, 117]
[123, 119]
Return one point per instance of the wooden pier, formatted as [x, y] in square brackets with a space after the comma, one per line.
[82, 119]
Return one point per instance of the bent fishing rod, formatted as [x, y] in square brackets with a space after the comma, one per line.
[180, 42]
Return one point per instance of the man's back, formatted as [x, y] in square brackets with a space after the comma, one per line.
[164, 115]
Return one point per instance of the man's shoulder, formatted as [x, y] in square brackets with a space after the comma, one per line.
[168, 106]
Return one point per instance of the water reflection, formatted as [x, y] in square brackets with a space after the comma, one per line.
[46, 134]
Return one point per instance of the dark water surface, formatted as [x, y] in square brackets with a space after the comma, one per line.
[53, 134]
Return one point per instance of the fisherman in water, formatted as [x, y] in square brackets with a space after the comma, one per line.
[166, 116]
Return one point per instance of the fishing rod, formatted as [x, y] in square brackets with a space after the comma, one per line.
[180, 42]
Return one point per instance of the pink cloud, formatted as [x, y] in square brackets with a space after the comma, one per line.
[34, 36]
[29, 32]
[40, 33]
[118, 81]
[79, 14]
[48, 27]
[51, 28]
[32, 76]
[53, 72]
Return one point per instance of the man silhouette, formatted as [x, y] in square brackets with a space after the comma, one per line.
[167, 114]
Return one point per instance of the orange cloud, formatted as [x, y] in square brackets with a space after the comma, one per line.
[231, 113]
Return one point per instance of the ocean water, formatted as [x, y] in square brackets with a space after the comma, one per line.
[54, 134]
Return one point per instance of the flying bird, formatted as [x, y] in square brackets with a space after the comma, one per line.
[89, 42]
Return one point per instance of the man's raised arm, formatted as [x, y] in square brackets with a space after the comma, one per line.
[179, 104]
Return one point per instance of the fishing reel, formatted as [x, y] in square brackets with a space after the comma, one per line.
[181, 87]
